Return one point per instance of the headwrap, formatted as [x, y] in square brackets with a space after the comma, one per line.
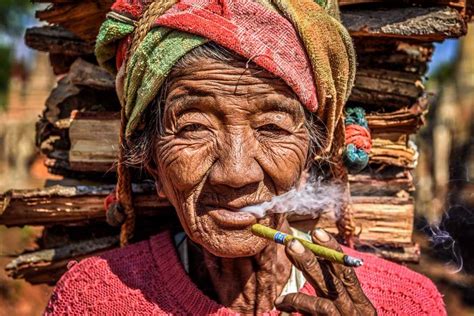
[300, 41]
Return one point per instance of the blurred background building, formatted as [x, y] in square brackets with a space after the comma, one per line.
[25, 82]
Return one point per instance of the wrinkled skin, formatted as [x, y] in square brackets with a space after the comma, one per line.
[235, 136]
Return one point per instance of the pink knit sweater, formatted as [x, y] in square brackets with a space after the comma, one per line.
[147, 278]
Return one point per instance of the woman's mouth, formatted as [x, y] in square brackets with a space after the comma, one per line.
[230, 218]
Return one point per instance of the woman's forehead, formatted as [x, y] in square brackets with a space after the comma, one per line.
[232, 71]
[227, 105]
[218, 83]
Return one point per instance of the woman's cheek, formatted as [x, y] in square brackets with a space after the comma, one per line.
[284, 161]
[186, 164]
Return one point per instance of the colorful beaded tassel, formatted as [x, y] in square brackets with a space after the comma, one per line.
[358, 140]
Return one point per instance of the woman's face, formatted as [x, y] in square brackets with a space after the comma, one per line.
[234, 136]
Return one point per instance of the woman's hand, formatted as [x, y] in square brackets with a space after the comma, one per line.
[337, 286]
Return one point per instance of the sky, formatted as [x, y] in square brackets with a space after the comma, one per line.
[444, 52]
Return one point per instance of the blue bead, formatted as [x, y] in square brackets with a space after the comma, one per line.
[279, 237]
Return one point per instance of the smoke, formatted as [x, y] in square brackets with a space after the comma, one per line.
[317, 197]
[440, 238]
[313, 199]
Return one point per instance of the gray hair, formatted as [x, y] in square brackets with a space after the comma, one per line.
[142, 143]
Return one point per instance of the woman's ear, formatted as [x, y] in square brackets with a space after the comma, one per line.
[159, 189]
[151, 169]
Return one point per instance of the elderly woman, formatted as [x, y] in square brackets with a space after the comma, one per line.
[227, 103]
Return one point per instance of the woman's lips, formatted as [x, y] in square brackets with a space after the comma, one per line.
[230, 219]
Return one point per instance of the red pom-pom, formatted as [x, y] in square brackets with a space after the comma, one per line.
[359, 136]
[111, 198]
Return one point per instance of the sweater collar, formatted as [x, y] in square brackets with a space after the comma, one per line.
[181, 290]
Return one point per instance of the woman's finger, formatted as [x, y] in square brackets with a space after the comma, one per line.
[337, 291]
[320, 277]
[306, 304]
[345, 275]
[305, 261]
[321, 237]
[340, 271]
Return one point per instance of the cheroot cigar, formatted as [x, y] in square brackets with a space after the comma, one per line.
[320, 251]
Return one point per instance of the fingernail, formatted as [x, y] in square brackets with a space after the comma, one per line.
[296, 246]
[321, 235]
[279, 300]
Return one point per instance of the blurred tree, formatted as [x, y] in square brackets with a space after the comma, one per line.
[5, 67]
[12, 15]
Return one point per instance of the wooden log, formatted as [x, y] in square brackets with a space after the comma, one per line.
[389, 182]
[94, 146]
[396, 76]
[383, 220]
[81, 17]
[48, 265]
[61, 63]
[83, 73]
[379, 220]
[404, 121]
[453, 3]
[57, 40]
[86, 87]
[387, 152]
[78, 91]
[393, 55]
[416, 23]
[390, 88]
[73, 205]
[61, 167]
[63, 92]
[64, 252]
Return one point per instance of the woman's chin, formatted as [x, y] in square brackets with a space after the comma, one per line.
[228, 243]
[229, 247]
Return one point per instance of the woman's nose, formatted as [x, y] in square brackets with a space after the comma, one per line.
[236, 166]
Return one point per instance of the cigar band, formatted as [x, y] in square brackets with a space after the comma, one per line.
[279, 237]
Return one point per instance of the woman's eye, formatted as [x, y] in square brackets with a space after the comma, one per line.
[192, 128]
[272, 129]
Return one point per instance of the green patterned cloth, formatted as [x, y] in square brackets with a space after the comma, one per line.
[148, 66]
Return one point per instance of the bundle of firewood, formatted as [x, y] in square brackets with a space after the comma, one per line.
[78, 133]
